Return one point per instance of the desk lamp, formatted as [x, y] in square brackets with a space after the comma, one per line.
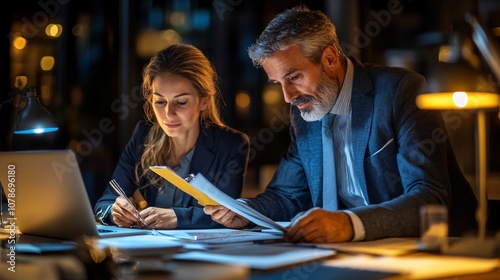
[455, 92]
[33, 117]
[33, 121]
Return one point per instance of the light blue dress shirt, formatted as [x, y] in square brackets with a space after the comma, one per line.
[348, 188]
[169, 195]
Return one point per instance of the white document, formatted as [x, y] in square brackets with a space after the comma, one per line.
[218, 236]
[258, 256]
[141, 244]
[240, 208]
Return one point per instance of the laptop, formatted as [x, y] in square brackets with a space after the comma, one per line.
[47, 196]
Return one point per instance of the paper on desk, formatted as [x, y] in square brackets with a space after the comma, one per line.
[418, 266]
[176, 180]
[218, 236]
[207, 194]
[258, 256]
[384, 247]
[141, 244]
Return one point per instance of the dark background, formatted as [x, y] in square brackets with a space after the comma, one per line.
[104, 45]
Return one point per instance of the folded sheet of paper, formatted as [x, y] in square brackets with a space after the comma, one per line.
[418, 266]
[207, 194]
[259, 256]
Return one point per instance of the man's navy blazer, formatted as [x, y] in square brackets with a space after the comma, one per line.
[221, 155]
[402, 159]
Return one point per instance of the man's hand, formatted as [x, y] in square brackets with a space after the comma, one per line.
[320, 226]
[225, 217]
[159, 218]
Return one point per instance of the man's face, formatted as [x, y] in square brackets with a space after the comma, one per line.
[304, 84]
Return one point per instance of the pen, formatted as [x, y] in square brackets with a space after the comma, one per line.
[120, 192]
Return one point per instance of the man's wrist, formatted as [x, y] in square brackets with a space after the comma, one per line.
[357, 226]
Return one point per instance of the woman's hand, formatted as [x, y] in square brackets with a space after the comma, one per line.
[225, 217]
[159, 218]
[124, 214]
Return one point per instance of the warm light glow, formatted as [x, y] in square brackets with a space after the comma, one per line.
[458, 100]
[77, 30]
[19, 43]
[272, 95]
[170, 36]
[47, 63]
[444, 54]
[53, 30]
[150, 41]
[496, 31]
[178, 18]
[242, 100]
[20, 82]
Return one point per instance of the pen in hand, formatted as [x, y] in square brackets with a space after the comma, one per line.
[122, 193]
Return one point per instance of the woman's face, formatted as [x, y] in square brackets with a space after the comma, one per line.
[177, 106]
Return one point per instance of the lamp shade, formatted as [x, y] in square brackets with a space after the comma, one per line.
[33, 117]
[457, 79]
[457, 85]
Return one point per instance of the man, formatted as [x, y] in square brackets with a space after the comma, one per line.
[363, 158]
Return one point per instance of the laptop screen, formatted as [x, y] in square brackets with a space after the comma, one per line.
[46, 194]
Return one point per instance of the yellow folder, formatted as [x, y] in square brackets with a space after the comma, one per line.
[179, 182]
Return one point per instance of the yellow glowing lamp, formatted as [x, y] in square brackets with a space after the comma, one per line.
[458, 100]
[480, 103]
[456, 86]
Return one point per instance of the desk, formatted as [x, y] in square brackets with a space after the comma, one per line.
[69, 265]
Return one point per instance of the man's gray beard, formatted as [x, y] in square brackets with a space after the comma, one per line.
[327, 92]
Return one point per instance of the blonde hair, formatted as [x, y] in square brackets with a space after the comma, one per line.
[190, 63]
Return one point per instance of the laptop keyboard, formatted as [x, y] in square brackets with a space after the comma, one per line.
[102, 230]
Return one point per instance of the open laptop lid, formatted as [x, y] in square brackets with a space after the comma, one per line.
[49, 195]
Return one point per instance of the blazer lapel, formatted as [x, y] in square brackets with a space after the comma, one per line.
[203, 156]
[361, 122]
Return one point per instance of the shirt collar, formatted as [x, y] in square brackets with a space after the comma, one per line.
[342, 105]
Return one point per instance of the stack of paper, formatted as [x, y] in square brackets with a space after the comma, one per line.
[259, 256]
[216, 238]
[207, 194]
[141, 245]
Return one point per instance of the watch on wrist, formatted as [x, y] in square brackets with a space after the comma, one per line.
[102, 214]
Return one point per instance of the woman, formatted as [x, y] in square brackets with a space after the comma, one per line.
[183, 131]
